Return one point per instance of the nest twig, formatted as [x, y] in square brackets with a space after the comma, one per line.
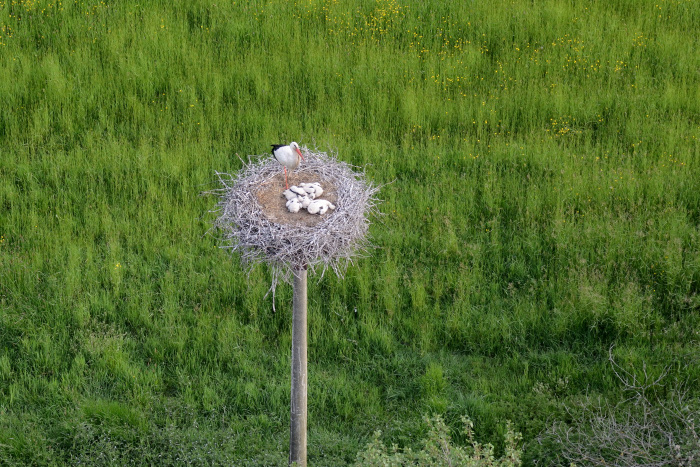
[333, 242]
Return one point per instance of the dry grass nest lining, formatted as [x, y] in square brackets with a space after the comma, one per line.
[252, 216]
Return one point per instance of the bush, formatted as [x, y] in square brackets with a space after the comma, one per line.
[644, 429]
[439, 451]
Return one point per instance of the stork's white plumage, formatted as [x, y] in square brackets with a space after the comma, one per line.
[314, 189]
[288, 156]
[304, 197]
[293, 205]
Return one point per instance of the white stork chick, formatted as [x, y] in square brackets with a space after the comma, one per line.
[293, 205]
[305, 201]
[299, 191]
[313, 189]
[308, 187]
[319, 206]
[314, 207]
[289, 194]
[311, 194]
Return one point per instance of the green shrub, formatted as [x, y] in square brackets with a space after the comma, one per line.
[438, 449]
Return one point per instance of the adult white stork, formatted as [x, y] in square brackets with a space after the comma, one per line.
[288, 156]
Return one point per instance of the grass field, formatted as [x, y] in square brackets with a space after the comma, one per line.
[542, 203]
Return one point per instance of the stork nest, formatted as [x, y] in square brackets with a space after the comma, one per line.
[254, 221]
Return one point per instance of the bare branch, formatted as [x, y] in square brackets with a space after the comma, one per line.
[638, 431]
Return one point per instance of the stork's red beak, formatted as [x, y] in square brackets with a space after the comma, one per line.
[299, 152]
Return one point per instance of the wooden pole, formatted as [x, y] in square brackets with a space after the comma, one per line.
[297, 440]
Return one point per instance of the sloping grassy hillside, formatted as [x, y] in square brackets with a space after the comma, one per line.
[544, 205]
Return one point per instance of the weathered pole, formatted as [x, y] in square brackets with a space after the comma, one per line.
[297, 440]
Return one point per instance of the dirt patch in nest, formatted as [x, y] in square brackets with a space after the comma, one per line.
[274, 204]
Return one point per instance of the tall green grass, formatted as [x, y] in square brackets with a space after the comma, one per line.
[542, 203]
